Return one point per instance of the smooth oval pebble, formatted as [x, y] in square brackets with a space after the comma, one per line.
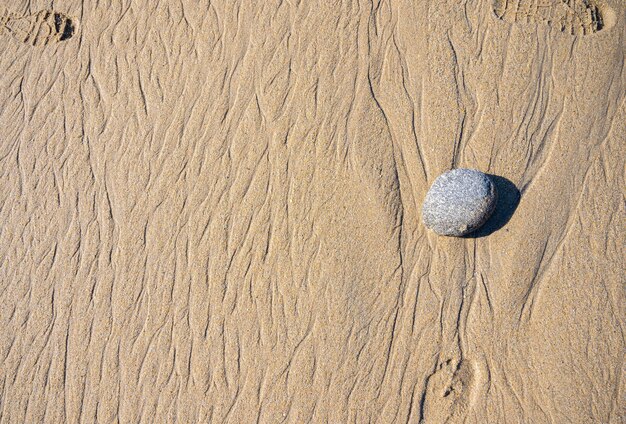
[459, 202]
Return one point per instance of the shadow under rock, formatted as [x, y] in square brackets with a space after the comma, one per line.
[508, 199]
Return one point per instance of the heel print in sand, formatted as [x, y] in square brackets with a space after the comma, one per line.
[39, 29]
[575, 17]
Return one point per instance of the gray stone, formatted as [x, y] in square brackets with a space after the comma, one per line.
[459, 202]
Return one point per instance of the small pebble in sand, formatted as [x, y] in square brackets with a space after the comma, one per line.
[459, 202]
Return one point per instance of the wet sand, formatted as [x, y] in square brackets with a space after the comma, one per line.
[211, 211]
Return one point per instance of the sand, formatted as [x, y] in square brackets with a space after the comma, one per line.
[211, 211]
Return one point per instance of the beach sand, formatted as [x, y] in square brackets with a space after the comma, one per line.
[211, 211]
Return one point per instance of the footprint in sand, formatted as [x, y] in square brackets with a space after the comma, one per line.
[575, 17]
[450, 391]
[39, 29]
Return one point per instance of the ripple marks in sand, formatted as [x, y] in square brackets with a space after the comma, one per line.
[39, 29]
[575, 17]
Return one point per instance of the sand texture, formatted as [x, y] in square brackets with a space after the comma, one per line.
[211, 211]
